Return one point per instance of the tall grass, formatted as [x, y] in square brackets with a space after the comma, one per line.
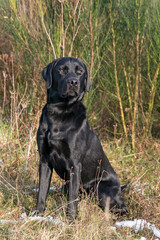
[119, 41]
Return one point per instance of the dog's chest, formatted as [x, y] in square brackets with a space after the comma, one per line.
[59, 132]
[64, 126]
[66, 134]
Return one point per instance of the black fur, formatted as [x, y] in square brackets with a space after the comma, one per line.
[67, 143]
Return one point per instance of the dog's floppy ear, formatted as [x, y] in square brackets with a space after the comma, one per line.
[47, 72]
[88, 81]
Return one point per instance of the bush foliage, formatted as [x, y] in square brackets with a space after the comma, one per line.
[118, 40]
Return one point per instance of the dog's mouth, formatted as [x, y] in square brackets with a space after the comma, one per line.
[70, 93]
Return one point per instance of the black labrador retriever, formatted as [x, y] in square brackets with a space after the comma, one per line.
[67, 143]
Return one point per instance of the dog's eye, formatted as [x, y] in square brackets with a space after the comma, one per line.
[79, 71]
[61, 70]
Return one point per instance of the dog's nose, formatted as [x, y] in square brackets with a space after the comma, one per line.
[73, 82]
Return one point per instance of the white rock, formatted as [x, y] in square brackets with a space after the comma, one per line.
[139, 224]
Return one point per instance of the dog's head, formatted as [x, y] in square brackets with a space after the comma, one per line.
[67, 79]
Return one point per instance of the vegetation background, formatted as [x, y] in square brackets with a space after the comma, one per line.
[120, 43]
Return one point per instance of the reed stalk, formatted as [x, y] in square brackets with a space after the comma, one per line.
[91, 38]
[136, 95]
[128, 87]
[151, 100]
[116, 76]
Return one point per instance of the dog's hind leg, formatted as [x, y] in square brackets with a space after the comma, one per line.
[111, 194]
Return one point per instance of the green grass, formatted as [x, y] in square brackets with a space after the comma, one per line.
[140, 170]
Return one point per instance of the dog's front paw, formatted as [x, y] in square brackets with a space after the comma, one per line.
[36, 213]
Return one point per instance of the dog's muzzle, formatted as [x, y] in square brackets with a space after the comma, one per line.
[73, 86]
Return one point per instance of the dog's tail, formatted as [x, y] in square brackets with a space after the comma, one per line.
[124, 186]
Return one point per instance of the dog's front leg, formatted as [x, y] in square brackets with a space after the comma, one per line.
[45, 174]
[73, 190]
